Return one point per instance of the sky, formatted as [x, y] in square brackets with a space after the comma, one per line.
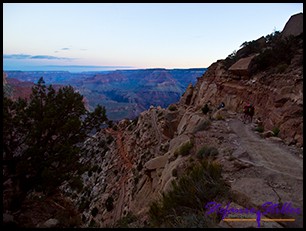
[96, 36]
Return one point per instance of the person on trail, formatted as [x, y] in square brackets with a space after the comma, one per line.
[222, 105]
[205, 109]
[249, 112]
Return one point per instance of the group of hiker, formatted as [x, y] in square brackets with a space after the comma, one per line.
[248, 110]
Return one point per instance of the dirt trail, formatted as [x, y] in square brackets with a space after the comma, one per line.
[127, 163]
[264, 153]
[121, 147]
[276, 173]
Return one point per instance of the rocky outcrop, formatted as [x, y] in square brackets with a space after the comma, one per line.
[294, 26]
[277, 97]
[242, 66]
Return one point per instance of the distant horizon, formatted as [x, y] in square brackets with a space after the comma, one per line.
[82, 68]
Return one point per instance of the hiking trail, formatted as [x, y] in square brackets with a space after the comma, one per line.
[275, 173]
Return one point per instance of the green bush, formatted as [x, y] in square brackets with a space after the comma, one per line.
[275, 131]
[184, 149]
[207, 151]
[43, 134]
[219, 117]
[260, 129]
[280, 51]
[189, 195]
[172, 107]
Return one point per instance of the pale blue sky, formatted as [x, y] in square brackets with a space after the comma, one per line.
[138, 35]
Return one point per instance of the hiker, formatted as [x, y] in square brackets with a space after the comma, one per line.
[222, 105]
[249, 112]
[205, 109]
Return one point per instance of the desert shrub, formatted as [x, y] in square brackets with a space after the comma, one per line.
[280, 52]
[76, 183]
[84, 205]
[109, 204]
[184, 149]
[68, 219]
[139, 166]
[174, 172]
[95, 168]
[260, 129]
[126, 220]
[109, 139]
[116, 172]
[280, 68]
[203, 125]
[92, 223]
[94, 211]
[205, 109]
[230, 60]
[207, 151]
[172, 107]
[189, 195]
[275, 131]
[219, 117]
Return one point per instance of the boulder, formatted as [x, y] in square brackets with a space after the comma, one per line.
[242, 66]
[50, 223]
[156, 163]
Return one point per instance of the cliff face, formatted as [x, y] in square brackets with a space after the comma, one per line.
[277, 97]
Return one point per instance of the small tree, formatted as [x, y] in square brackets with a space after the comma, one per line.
[43, 136]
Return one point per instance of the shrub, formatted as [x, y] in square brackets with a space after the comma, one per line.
[172, 107]
[76, 183]
[184, 149]
[204, 125]
[84, 205]
[189, 196]
[49, 126]
[174, 172]
[109, 204]
[126, 220]
[275, 131]
[92, 223]
[205, 109]
[281, 67]
[207, 151]
[95, 168]
[94, 211]
[260, 129]
[219, 117]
